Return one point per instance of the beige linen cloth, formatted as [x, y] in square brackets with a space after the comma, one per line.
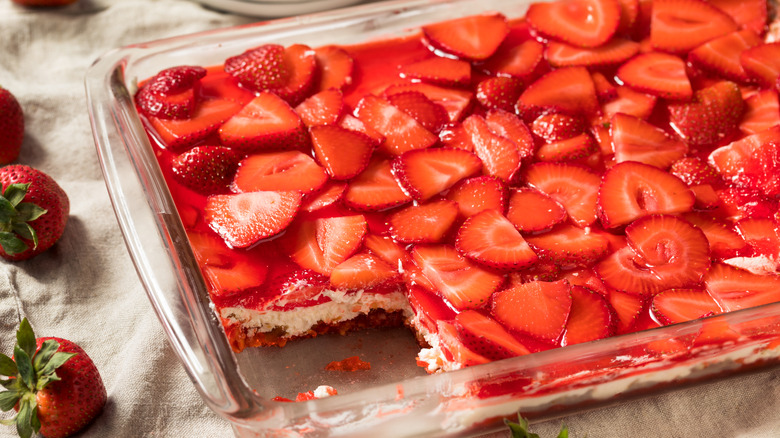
[85, 289]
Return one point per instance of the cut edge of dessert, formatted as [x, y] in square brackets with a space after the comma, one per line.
[503, 186]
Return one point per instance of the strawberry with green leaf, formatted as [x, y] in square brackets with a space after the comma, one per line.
[52, 383]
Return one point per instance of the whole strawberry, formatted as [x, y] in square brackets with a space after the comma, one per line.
[33, 212]
[11, 127]
[53, 384]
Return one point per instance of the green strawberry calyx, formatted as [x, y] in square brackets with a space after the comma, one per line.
[29, 373]
[15, 216]
[519, 429]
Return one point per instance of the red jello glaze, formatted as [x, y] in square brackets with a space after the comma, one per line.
[619, 179]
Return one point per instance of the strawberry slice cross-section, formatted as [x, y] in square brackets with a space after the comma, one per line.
[490, 238]
[536, 308]
[474, 37]
[322, 244]
[585, 23]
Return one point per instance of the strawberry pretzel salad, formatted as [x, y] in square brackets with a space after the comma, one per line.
[502, 186]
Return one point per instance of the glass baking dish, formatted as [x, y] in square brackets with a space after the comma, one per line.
[395, 398]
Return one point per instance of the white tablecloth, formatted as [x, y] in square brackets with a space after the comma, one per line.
[86, 289]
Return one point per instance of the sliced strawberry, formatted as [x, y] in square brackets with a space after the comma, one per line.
[740, 202]
[623, 270]
[680, 305]
[706, 197]
[454, 135]
[454, 347]
[521, 61]
[477, 194]
[455, 101]
[427, 172]
[264, 123]
[429, 308]
[324, 243]
[489, 238]
[713, 115]
[752, 162]
[209, 249]
[463, 283]
[587, 278]
[585, 23]
[724, 241]
[568, 90]
[630, 190]
[571, 149]
[475, 37]
[659, 74]
[761, 234]
[591, 318]
[335, 68]
[761, 112]
[762, 63]
[423, 223]
[245, 218]
[510, 126]
[693, 171]
[629, 12]
[614, 52]
[261, 68]
[735, 288]
[302, 64]
[438, 70]
[499, 92]
[323, 108]
[537, 308]
[205, 169]
[531, 210]
[429, 114]
[279, 171]
[483, 335]
[387, 249]
[680, 25]
[170, 94]
[605, 90]
[224, 282]
[567, 245]
[630, 102]
[363, 271]
[343, 153]
[721, 55]
[500, 156]
[375, 188]
[555, 127]
[354, 124]
[575, 187]
[401, 131]
[748, 14]
[637, 140]
[329, 194]
[627, 307]
[209, 115]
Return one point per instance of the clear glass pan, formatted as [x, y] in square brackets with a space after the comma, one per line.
[396, 399]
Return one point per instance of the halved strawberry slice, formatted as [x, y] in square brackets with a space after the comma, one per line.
[571, 149]
[680, 305]
[401, 131]
[463, 283]
[637, 140]
[454, 135]
[585, 23]
[334, 68]
[680, 25]
[171, 93]
[721, 55]
[209, 249]
[762, 63]
[426, 172]
[614, 52]
[748, 14]
[567, 90]
[423, 223]
[329, 194]
[712, 116]
[761, 234]
[522, 61]
[387, 249]
[499, 92]
[509, 126]
[489, 238]
[375, 188]
[587, 278]
[354, 124]
[454, 100]
[536, 308]
[323, 108]
[752, 162]
[630, 190]
[605, 90]
[555, 127]
[429, 308]
[659, 74]
[761, 112]
[454, 347]
[260, 68]
[429, 114]
[531, 210]
[245, 218]
[475, 37]
[629, 14]
[591, 317]
[438, 70]
[499, 155]
[740, 202]
[478, 194]
[575, 187]
[627, 307]
[624, 270]
[279, 171]
[735, 288]
[343, 153]
[209, 115]
[486, 337]
[363, 271]
[205, 169]
[324, 243]
[724, 241]
[567, 246]
[264, 123]
[242, 276]
[302, 65]
[694, 171]
[630, 102]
